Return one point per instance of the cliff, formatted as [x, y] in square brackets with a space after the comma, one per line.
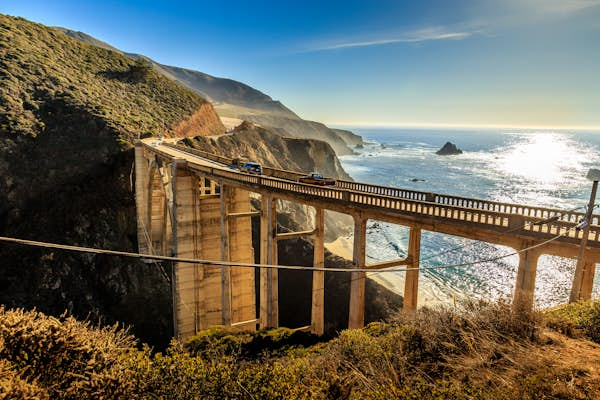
[291, 126]
[68, 114]
[258, 144]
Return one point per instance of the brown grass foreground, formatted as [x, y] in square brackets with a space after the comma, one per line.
[481, 351]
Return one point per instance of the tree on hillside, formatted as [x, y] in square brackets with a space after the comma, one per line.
[140, 70]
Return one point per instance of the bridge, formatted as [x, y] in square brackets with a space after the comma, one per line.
[190, 204]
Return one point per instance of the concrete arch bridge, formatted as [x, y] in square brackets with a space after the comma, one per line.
[191, 205]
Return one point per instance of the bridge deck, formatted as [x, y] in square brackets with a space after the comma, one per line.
[496, 222]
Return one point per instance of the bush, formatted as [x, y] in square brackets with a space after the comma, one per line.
[576, 319]
[65, 357]
[480, 351]
[140, 69]
[226, 341]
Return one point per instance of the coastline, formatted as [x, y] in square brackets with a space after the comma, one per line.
[429, 293]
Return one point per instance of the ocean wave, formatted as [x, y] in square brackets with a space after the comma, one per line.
[541, 169]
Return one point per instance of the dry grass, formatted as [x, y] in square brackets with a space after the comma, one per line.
[482, 351]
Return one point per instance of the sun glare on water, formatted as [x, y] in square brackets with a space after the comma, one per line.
[547, 159]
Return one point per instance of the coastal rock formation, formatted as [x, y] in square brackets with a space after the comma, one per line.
[448, 149]
[258, 144]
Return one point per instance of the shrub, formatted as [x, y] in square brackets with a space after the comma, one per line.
[140, 69]
[64, 356]
[226, 341]
[576, 319]
[480, 351]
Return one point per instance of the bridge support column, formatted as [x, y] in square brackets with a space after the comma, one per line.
[141, 196]
[411, 283]
[317, 320]
[588, 272]
[584, 266]
[184, 241]
[225, 256]
[356, 317]
[157, 203]
[269, 307]
[525, 284]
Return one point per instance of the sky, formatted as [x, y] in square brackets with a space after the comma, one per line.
[530, 63]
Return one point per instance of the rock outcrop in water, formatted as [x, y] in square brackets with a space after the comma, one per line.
[448, 149]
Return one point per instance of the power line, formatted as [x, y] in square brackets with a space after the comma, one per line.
[223, 264]
[451, 250]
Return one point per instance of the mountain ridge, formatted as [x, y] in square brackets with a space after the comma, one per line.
[238, 100]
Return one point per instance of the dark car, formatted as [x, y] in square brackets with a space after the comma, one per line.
[251, 168]
[317, 179]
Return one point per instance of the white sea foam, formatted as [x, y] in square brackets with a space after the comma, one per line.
[545, 169]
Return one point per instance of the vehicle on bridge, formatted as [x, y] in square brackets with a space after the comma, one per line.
[317, 179]
[251, 168]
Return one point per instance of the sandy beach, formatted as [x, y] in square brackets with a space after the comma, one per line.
[429, 294]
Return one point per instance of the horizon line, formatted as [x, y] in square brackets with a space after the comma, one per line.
[463, 125]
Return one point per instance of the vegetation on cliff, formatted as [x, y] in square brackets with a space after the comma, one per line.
[238, 100]
[480, 351]
[44, 72]
[68, 111]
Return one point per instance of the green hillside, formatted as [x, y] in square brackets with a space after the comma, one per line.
[41, 69]
[238, 100]
[68, 113]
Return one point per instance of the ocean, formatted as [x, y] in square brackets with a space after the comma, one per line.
[541, 168]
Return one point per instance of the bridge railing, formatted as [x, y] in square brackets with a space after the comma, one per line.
[488, 205]
[267, 171]
[510, 216]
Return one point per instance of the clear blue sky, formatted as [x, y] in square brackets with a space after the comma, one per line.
[510, 62]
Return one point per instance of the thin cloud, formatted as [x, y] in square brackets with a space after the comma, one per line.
[565, 6]
[420, 36]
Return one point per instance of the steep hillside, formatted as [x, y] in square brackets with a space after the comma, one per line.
[257, 143]
[237, 100]
[222, 90]
[68, 111]
[45, 73]
[301, 155]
